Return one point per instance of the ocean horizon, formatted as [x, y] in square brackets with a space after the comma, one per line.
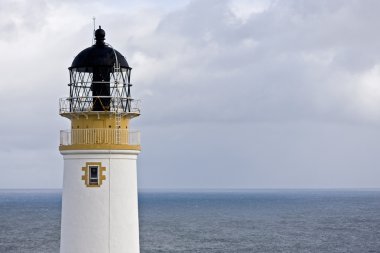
[213, 220]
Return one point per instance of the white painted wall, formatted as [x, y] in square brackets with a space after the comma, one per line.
[100, 219]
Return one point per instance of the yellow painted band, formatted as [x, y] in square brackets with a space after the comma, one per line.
[100, 147]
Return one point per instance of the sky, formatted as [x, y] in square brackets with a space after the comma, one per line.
[235, 93]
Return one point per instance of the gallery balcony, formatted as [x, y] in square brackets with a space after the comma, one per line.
[83, 105]
[99, 138]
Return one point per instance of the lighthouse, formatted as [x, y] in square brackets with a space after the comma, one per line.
[99, 199]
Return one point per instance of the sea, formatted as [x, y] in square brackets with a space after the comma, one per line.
[213, 221]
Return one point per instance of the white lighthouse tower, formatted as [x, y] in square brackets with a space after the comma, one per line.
[99, 201]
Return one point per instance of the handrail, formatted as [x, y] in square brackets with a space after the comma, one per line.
[99, 136]
[87, 104]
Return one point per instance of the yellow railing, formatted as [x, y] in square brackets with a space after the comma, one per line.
[99, 136]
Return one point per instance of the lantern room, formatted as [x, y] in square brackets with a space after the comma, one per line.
[100, 104]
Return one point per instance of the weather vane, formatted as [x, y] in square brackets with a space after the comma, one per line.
[93, 33]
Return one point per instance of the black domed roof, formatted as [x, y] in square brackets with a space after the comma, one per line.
[99, 55]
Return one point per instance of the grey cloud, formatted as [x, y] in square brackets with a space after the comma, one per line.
[19, 16]
[276, 65]
[268, 101]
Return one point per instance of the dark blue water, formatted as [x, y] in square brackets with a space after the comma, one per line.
[255, 221]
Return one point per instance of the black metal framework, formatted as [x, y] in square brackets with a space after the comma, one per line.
[100, 89]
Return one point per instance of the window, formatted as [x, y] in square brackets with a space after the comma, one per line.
[93, 175]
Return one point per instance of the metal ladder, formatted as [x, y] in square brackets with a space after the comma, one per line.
[118, 126]
[116, 69]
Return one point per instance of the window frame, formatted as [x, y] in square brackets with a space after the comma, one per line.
[86, 177]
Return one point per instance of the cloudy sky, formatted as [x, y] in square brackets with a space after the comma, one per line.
[236, 94]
